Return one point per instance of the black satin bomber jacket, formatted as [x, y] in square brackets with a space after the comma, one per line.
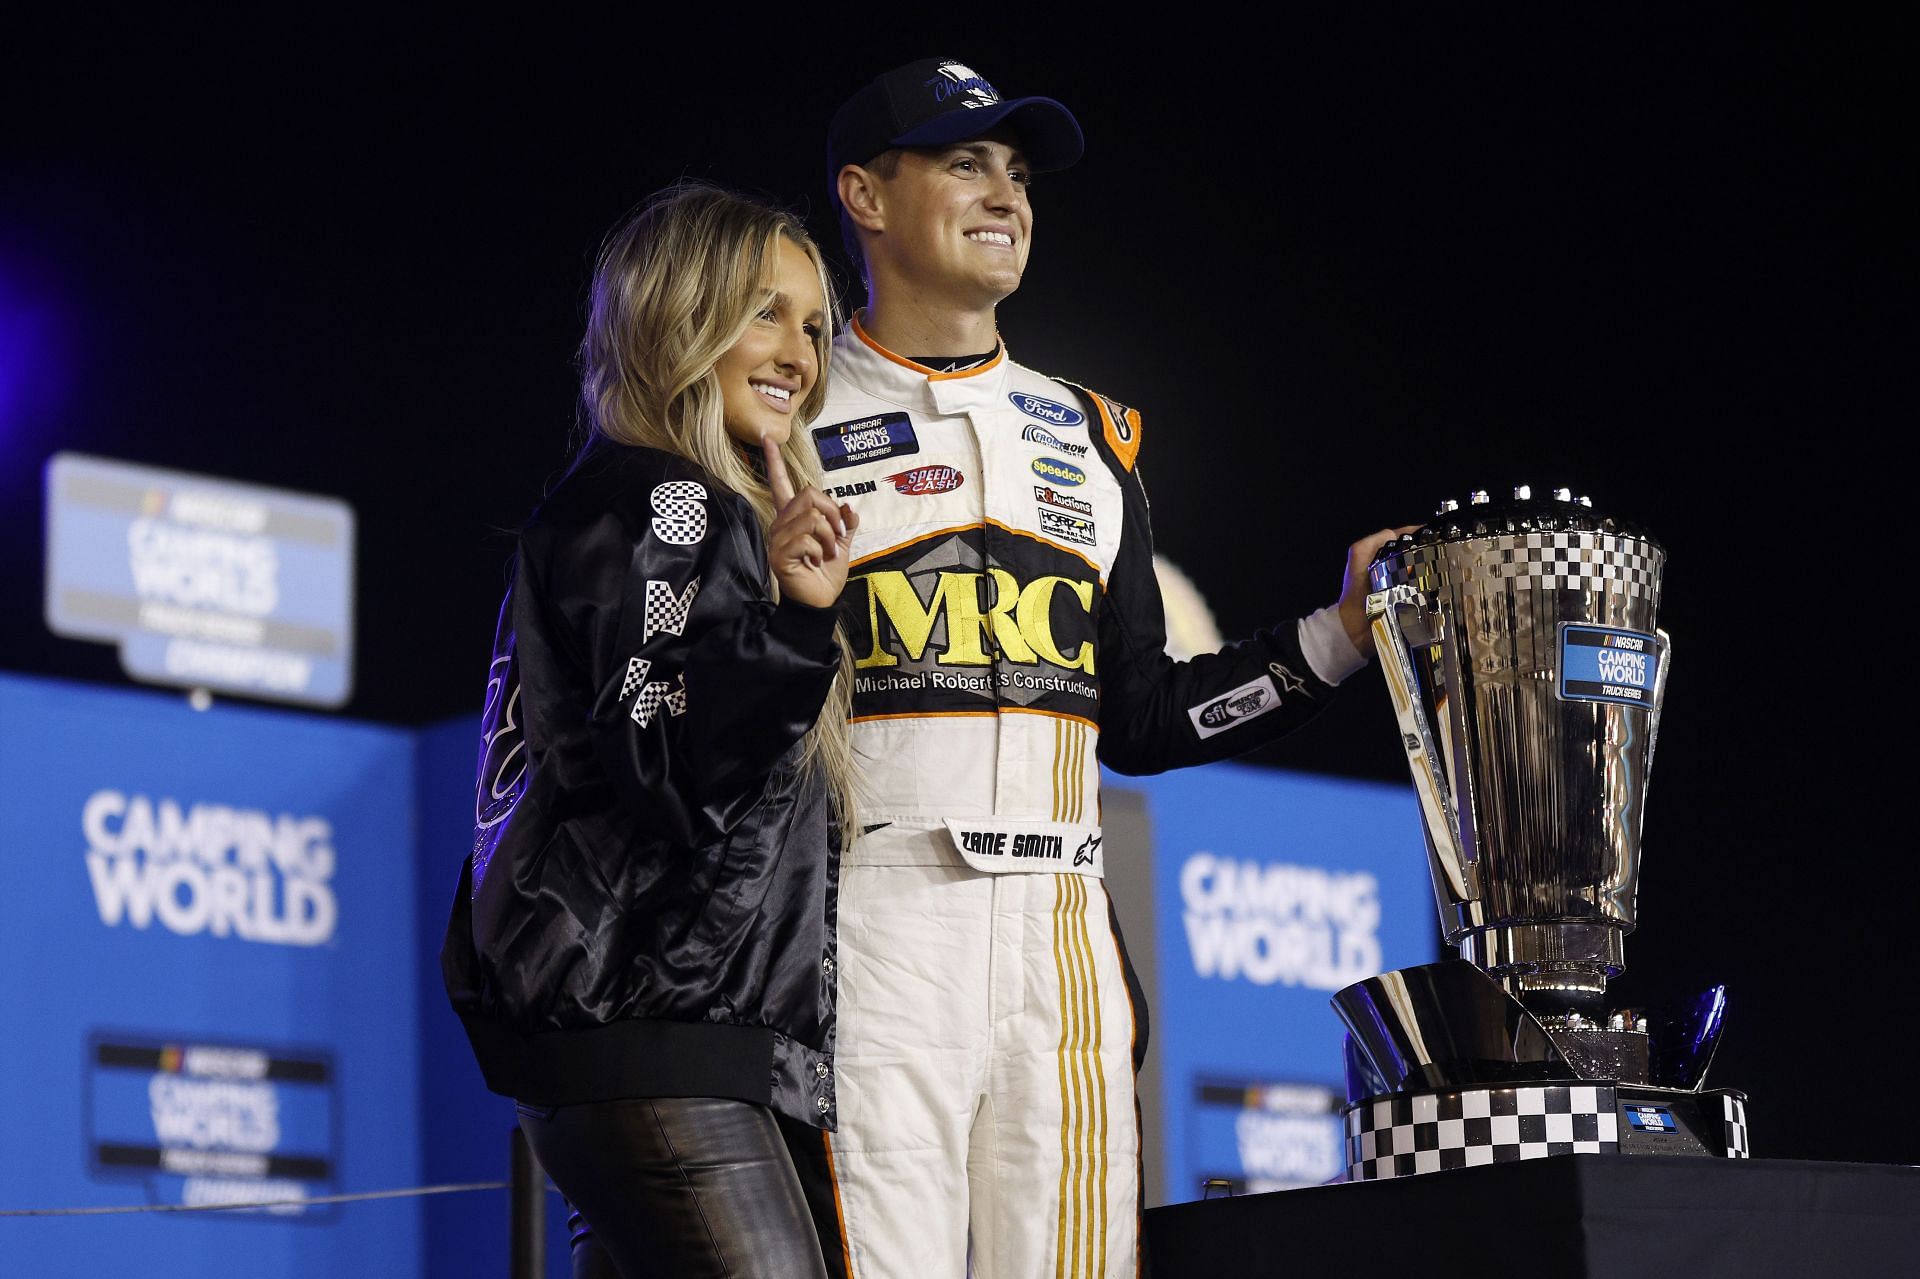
[648, 907]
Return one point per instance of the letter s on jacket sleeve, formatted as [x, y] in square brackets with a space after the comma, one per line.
[700, 682]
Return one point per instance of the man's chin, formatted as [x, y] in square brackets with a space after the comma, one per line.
[996, 288]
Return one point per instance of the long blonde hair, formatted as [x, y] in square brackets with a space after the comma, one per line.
[675, 288]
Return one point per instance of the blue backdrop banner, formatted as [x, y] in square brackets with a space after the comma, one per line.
[208, 927]
[221, 931]
[1272, 891]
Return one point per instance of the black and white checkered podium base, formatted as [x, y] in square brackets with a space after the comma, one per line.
[1409, 1133]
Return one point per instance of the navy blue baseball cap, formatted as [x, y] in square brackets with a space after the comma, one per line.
[937, 101]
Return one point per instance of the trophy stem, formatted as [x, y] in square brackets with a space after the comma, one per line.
[1562, 948]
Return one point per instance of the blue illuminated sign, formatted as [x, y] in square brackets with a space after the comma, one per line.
[209, 935]
[1274, 890]
[202, 582]
[1656, 1119]
[214, 1123]
[1262, 1136]
[1606, 664]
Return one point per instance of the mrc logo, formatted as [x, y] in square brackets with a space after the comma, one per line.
[967, 614]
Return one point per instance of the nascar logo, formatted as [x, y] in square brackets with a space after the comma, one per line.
[1065, 474]
[1046, 410]
[867, 439]
[927, 479]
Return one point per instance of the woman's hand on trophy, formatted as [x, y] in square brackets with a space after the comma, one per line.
[810, 541]
[1355, 587]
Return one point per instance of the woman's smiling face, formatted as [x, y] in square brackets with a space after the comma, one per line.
[768, 372]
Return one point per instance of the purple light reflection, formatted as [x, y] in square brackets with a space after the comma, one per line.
[32, 375]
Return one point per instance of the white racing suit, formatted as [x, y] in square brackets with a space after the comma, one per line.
[1007, 635]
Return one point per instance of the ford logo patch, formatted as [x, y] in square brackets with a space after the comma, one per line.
[1065, 474]
[1046, 410]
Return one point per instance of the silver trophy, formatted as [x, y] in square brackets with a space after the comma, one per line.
[1521, 649]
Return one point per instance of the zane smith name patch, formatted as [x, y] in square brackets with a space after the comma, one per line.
[1601, 664]
[999, 846]
[865, 439]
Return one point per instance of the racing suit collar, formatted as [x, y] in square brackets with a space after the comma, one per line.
[875, 369]
[860, 331]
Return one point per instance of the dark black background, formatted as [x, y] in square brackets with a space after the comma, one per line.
[1345, 267]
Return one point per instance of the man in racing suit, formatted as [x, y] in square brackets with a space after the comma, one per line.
[1007, 636]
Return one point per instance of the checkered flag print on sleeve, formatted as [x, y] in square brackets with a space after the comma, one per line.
[667, 611]
[653, 696]
[637, 668]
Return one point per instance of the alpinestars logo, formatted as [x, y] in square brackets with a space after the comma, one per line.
[210, 869]
[1083, 855]
[1289, 682]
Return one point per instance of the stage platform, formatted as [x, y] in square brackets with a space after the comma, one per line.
[1571, 1217]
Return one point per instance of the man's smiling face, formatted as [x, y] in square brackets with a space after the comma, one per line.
[956, 224]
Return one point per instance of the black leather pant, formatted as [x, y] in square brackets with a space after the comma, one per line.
[677, 1186]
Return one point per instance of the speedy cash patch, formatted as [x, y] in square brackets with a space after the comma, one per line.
[865, 439]
[924, 480]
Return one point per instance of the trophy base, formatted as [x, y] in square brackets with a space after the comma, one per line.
[1601, 1052]
[1405, 1134]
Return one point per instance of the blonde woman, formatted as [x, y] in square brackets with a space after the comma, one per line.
[642, 946]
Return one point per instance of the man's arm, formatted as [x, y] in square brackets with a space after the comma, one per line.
[1156, 713]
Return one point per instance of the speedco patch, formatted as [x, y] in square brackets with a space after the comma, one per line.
[927, 479]
[1065, 474]
[1046, 410]
[1244, 703]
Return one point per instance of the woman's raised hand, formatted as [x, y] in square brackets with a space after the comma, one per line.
[811, 538]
